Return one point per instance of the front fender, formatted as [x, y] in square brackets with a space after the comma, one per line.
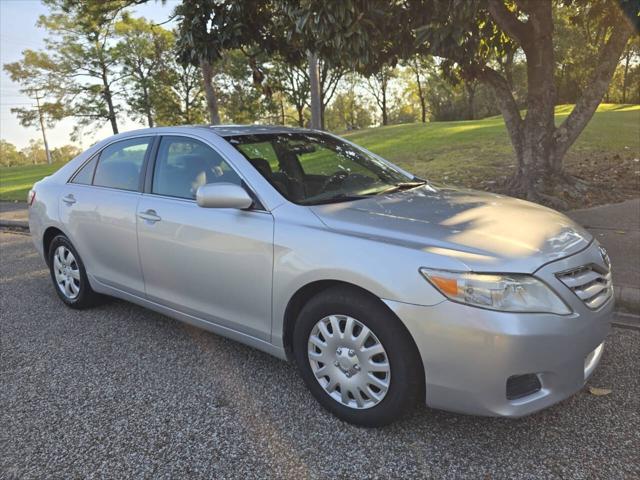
[309, 252]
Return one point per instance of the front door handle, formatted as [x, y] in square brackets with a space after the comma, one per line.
[69, 199]
[150, 216]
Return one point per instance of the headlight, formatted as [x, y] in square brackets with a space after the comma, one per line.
[505, 292]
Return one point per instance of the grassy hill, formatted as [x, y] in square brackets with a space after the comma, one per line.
[478, 153]
[472, 153]
[15, 182]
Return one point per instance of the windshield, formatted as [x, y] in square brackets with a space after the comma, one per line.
[312, 168]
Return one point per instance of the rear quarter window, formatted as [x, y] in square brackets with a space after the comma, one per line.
[84, 176]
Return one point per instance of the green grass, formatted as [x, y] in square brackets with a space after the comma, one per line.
[15, 182]
[471, 153]
[457, 152]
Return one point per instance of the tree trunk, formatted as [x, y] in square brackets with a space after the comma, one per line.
[300, 110]
[508, 68]
[210, 92]
[187, 108]
[147, 106]
[385, 117]
[624, 78]
[42, 129]
[352, 109]
[471, 93]
[108, 97]
[540, 147]
[282, 122]
[316, 95]
[423, 103]
[532, 138]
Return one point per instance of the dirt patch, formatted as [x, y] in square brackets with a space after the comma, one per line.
[605, 178]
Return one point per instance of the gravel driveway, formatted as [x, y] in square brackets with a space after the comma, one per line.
[122, 392]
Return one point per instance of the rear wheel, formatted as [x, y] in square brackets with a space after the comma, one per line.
[356, 358]
[69, 275]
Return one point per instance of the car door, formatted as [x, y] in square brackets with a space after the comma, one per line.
[213, 263]
[98, 208]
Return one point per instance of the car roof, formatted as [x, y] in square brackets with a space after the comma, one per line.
[232, 130]
[220, 130]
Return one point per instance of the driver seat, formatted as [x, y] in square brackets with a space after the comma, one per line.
[264, 168]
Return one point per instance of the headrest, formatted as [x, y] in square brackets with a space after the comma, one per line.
[191, 161]
[262, 166]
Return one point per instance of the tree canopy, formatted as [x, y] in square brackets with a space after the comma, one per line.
[281, 59]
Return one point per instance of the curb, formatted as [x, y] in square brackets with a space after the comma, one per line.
[627, 298]
[626, 320]
[21, 224]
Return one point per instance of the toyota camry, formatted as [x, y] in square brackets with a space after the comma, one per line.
[385, 289]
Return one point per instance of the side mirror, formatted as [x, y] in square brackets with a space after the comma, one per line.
[223, 195]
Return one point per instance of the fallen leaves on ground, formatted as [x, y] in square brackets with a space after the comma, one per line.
[599, 392]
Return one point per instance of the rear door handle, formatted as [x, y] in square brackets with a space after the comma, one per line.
[150, 216]
[69, 199]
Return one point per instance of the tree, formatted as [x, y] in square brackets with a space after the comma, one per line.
[493, 26]
[144, 51]
[296, 82]
[32, 73]
[330, 32]
[348, 111]
[10, 156]
[471, 36]
[210, 28]
[293, 82]
[84, 58]
[244, 95]
[330, 76]
[632, 52]
[378, 86]
[65, 153]
[181, 100]
[34, 153]
[419, 66]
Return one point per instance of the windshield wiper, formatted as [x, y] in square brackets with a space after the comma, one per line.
[336, 199]
[402, 186]
[347, 198]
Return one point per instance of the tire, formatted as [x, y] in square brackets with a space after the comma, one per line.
[71, 271]
[403, 372]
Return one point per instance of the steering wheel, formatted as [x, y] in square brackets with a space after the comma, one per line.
[334, 180]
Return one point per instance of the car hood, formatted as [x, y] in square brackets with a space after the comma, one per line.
[483, 231]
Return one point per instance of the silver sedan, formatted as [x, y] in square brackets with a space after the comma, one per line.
[385, 289]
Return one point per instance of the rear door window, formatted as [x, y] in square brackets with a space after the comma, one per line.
[120, 164]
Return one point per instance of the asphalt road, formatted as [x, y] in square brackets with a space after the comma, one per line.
[122, 392]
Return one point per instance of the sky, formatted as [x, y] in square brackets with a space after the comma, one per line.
[18, 31]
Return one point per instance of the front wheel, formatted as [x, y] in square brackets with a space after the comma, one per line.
[356, 358]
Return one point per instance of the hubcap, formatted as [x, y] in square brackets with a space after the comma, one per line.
[66, 272]
[349, 362]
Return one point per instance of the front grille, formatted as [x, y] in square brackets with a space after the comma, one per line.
[590, 283]
[519, 386]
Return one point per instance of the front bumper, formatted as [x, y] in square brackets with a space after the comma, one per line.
[469, 353]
